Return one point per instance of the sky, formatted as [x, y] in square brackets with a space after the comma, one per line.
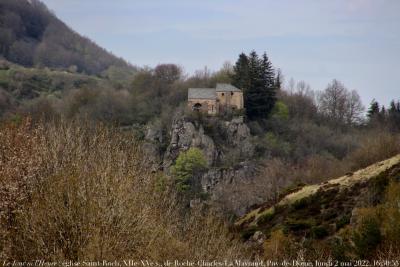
[354, 41]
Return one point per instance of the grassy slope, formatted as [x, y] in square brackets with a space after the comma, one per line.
[27, 83]
[321, 204]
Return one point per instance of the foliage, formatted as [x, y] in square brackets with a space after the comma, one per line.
[367, 237]
[319, 232]
[187, 165]
[343, 221]
[257, 79]
[280, 111]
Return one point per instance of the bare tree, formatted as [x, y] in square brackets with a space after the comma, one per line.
[339, 104]
[355, 108]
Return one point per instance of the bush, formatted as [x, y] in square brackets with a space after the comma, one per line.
[280, 111]
[367, 237]
[187, 165]
[298, 225]
[302, 203]
[343, 221]
[319, 232]
[280, 247]
[80, 191]
[266, 217]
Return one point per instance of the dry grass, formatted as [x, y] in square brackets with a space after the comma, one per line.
[83, 192]
[344, 181]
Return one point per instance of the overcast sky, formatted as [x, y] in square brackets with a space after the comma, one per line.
[354, 41]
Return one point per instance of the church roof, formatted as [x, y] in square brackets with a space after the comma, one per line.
[225, 87]
[202, 93]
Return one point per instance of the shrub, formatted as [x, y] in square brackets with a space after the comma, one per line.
[338, 249]
[343, 221]
[248, 232]
[266, 217]
[80, 191]
[187, 165]
[280, 111]
[298, 225]
[367, 237]
[391, 215]
[280, 246]
[319, 232]
[301, 203]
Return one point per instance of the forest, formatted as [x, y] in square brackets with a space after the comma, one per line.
[88, 170]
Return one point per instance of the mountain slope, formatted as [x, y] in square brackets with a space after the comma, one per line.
[331, 209]
[361, 178]
[30, 35]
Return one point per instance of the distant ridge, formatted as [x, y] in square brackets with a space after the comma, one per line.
[31, 35]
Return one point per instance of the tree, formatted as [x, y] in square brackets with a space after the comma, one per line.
[373, 109]
[394, 115]
[187, 165]
[241, 77]
[340, 105]
[332, 101]
[268, 72]
[278, 80]
[269, 82]
[354, 108]
[256, 97]
[257, 79]
[168, 73]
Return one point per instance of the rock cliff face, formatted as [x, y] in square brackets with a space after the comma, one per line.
[225, 172]
[231, 179]
[239, 137]
[184, 135]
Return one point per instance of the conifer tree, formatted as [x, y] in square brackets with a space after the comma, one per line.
[241, 72]
[278, 80]
[394, 115]
[269, 82]
[256, 78]
[373, 110]
[268, 72]
[256, 96]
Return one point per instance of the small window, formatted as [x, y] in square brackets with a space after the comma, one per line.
[231, 93]
[223, 94]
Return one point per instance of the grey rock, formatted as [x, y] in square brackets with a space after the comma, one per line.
[185, 135]
[258, 237]
[151, 146]
[219, 183]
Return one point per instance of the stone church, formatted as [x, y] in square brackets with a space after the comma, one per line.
[224, 98]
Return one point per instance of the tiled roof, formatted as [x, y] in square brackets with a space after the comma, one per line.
[225, 87]
[202, 93]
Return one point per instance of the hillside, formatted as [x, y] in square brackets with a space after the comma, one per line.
[340, 209]
[30, 35]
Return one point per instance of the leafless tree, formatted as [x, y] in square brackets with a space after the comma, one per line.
[355, 108]
[339, 104]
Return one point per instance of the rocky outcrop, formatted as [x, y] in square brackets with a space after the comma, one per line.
[186, 134]
[152, 146]
[238, 135]
[226, 172]
[232, 188]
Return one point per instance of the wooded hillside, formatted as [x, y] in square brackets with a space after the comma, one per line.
[30, 35]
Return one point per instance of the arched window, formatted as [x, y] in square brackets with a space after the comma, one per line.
[197, 107]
